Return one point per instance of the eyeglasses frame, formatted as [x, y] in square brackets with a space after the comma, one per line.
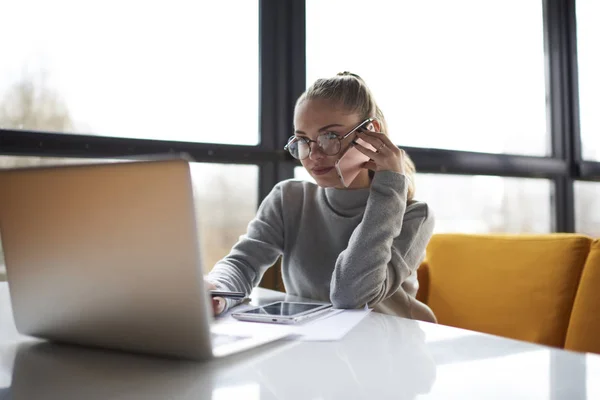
[340, 138]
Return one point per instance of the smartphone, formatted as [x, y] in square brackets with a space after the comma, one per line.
[232, 295]
[283, 312]
[349, 165]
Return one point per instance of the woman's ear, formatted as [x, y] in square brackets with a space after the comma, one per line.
[376, 126]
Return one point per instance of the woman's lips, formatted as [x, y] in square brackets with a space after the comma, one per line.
[321, 170]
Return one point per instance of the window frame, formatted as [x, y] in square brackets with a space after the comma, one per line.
[282, 46]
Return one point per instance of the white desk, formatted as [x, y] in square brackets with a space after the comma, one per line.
[382, 358]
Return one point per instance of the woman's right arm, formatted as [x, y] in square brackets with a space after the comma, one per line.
[257, 250]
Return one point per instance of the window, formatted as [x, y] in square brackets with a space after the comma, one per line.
[587, 212]
[487, 204]
[225, 195]
[588, 42]
[443, 78]
[151, 70]
[226, 200]
[482, 204]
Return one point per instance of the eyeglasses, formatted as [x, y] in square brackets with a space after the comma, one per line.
[329, 143]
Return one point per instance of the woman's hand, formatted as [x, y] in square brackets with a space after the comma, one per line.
[387, 157]
[218, 303]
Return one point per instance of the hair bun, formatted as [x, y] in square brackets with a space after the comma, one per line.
[348, 73]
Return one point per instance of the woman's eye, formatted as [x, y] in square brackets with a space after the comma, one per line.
[330, 135]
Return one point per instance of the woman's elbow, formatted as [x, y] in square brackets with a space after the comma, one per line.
[341, 300]
[346, 301]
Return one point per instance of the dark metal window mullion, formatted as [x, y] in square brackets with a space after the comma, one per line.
[561, 53]
[282, 80]
[282, 69]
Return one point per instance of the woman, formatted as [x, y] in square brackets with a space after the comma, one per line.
[353, 244]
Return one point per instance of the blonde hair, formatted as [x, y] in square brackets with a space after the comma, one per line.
[352, 93]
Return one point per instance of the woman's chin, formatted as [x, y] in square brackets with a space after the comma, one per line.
[327, 181]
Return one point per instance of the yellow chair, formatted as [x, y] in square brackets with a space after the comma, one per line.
[423, 278]
[517, 286]
[584, 329]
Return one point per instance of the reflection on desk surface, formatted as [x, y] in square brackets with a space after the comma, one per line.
[52, 371]
[381, 358]
[393, 362]
[283, 371]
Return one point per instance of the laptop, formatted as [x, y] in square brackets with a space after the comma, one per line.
[107, 255]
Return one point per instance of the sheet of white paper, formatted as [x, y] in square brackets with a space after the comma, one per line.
[333, 325]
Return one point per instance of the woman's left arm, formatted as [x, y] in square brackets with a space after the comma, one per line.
[389, 243]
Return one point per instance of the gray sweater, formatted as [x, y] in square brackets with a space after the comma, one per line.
[347, 247]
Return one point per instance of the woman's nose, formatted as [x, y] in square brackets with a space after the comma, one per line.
[315, 152]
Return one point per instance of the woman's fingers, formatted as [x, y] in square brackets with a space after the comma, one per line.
[388, 142]
[372, 140]
[385, 156]
[218, 305]
[370, 133]
[377, 138]
[370, 165]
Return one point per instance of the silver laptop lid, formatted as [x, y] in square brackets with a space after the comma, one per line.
[106, 255]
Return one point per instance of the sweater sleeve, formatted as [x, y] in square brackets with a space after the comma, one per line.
[385, 248]
[257, 250]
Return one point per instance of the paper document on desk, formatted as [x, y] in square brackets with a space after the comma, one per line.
[334, 325]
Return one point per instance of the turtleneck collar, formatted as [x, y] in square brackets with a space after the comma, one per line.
[346, 202]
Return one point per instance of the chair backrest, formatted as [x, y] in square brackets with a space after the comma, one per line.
[584, 329]
[423, 278]
[517, 286]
